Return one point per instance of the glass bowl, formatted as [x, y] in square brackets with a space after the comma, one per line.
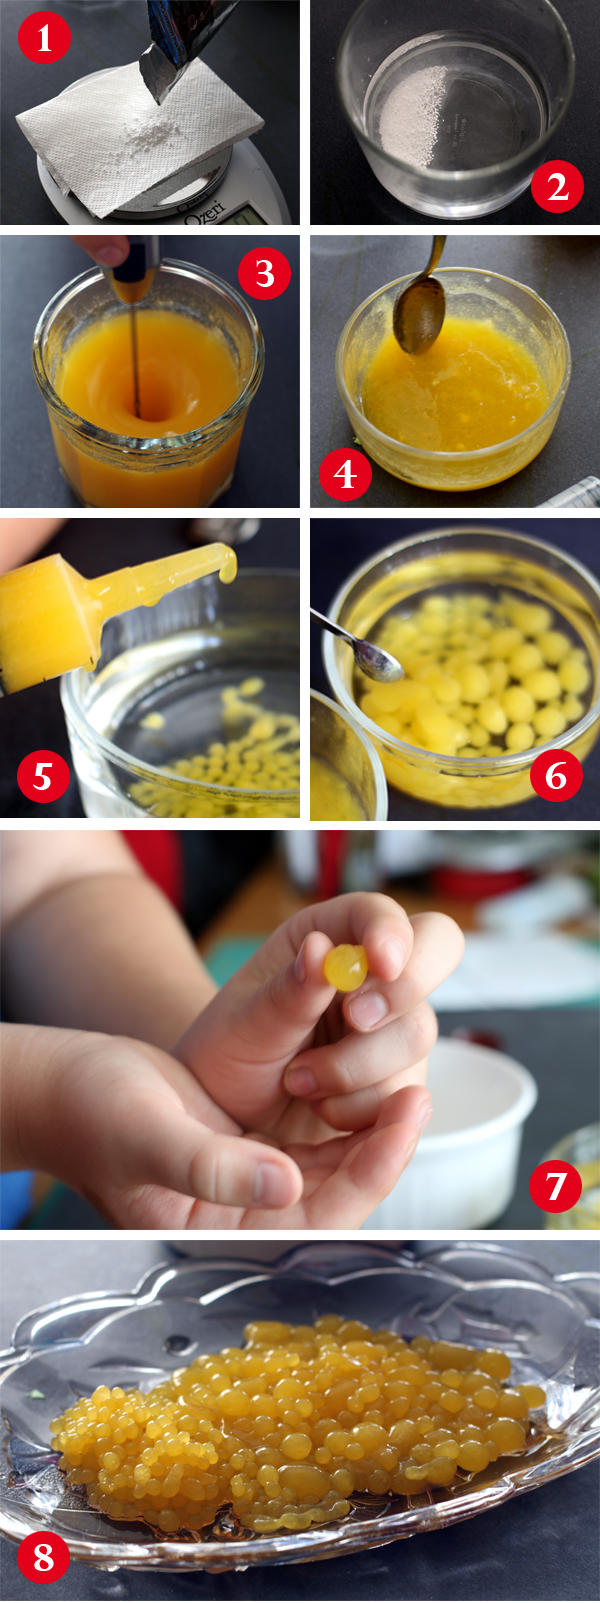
[479, 1295]
[155, 697]
[395, 579]
[338, 740]
[471, 292]
[455, 117]
[582, 1149]
[104, 469]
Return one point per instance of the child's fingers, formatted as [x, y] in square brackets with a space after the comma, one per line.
[345, 1066]
[437, 949]
[361, 1110]
[371, 1168]
[168, 1148]
[109, 250]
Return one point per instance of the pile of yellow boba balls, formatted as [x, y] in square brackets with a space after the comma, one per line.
[263, 754]
[482, 678]
[284, 1430]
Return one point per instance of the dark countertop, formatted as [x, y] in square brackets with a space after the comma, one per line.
[345, 190]
[33, 719]
[542, 1546]
[256, 53]
[563, 271]
[340, 545]
[33, 270]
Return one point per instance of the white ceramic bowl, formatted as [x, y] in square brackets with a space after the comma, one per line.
[464, 1171]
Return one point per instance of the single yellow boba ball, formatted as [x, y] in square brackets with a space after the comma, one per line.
[346, 967]
[543, 684]
[518, 705]
[553, 645]
[386, 697]
[529, 618]
[503, 642]
[474, 682]
[525, 659]
[492, 716]
[519, 737]
[572, 708]
[498, 675]
[549, 722]
[478, 736]
[573, 675]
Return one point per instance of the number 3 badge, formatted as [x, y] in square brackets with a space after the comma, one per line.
[264, 273]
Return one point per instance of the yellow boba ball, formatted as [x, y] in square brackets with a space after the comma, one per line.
[549, 722]
[474, 682]
[498, 675]
[573, 675]
[492, 716]
[543, 684]
[518, 705]
[503, 642]
[519, 737]
[346, 967]
[478, 736]
[553, 645]
[525, 659]
[572, 708]
[529, 618]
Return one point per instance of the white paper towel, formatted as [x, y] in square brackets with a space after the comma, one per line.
[541, 971]
[107, 140]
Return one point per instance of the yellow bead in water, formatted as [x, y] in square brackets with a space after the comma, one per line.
[346, 967]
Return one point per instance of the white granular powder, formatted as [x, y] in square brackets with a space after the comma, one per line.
[144, 128]
[409, 121]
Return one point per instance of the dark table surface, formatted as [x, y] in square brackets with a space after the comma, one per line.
[539, 1546]
[34, 269]
[339, 545]
[345, 190]
[563, 271]
[33, 719]
[256, 53]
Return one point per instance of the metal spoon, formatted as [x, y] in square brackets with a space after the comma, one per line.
[420, 310]
[375, 663]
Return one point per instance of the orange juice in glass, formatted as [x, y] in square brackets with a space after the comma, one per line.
[201, 357]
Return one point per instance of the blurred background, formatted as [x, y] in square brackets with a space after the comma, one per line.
[516, 1073]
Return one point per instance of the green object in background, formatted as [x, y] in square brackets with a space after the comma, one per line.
[229, 955]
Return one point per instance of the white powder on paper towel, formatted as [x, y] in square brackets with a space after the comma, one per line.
[409, 121]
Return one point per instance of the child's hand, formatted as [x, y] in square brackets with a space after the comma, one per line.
[132, 1131]
[282, 1052]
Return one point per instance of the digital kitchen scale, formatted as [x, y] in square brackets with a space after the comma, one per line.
[241, 186]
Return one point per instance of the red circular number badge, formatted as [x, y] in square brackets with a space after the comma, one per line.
[556, 775]
[345, 474]
[43, 1557]
[44, 36]
[557, 186]
[555, 1186]
[43, 776]
[264, 273]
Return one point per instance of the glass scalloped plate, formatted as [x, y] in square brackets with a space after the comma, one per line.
[463, 1292]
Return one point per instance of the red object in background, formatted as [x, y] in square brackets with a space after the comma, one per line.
[333, 848]
[159, 853]
[477, 885]
[480, 1037]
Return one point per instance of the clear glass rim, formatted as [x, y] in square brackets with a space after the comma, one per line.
[162, 445]
[381, 790]
[146, 771]
[452, 458]
[446, 179]
[461, 767]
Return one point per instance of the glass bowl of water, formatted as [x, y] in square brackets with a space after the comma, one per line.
[177, 716]
[454, 106]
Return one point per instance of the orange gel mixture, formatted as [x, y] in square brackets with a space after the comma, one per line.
[286, 1429]
[187, 378]
[475, 387]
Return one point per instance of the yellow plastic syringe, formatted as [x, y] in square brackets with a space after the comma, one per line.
[51, 619]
